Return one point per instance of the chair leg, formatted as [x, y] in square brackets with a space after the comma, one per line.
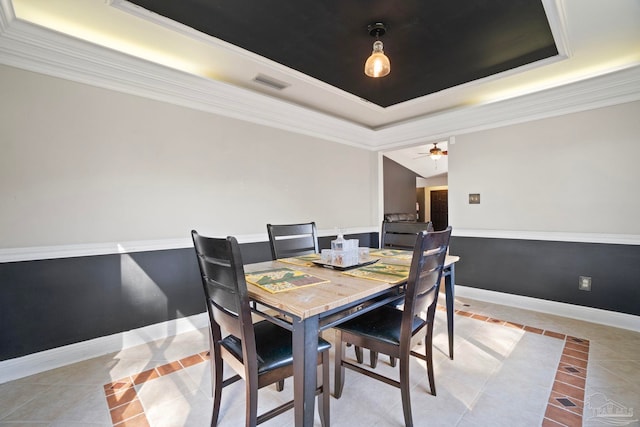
[428, 351]
[280, 385]
[404, 390]
[392, 361]
[358, 351]
[338, 380]
[324, 397]
[216, 384]
[251, 400]
[373, 358]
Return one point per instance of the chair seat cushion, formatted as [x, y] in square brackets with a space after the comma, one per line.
[273, 345]
[382, 324]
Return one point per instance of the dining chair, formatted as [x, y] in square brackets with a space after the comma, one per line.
[395, 331]
[289, 240]
[402, 235]
[396, 235]
[260, 353]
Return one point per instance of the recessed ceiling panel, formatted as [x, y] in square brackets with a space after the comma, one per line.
[432, 45]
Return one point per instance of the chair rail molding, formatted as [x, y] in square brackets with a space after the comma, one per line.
[551, 236]
[105, 248]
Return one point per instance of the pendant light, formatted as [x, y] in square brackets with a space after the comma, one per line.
[377, 64]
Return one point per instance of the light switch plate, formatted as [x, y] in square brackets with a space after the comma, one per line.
[584, 283]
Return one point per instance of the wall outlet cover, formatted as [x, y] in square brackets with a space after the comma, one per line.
[584, 283]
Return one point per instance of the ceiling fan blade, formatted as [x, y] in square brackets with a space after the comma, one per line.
[444, 153]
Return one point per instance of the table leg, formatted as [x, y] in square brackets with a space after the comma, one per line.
[305, 362]
[449, 285]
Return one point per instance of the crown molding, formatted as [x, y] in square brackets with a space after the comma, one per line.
[602, 91]
[34, 48]
[147, 15]
[557, 17]
[7, 14]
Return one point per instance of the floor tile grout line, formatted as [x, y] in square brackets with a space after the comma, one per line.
[476, 316]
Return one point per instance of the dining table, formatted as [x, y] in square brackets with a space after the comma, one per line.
[326, 296]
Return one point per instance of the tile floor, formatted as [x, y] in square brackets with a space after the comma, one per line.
[512, 368]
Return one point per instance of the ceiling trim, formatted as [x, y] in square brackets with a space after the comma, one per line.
[177, 27]
[38, 49]
[602, 91]
[557, 17]
[28, 46]
[7, 14]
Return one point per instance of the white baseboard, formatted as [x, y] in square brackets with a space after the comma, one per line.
[50, 359]
[588, 314]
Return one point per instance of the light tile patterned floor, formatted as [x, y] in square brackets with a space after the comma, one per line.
[512, 368]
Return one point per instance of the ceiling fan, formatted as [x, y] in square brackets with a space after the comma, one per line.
[435, 153]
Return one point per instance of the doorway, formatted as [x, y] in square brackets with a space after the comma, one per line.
[440, 209]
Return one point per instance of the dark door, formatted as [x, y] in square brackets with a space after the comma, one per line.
[440, 209]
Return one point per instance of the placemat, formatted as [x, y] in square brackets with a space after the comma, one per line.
[303, 260]
[282, 279]
[392, 253]
[383, 272]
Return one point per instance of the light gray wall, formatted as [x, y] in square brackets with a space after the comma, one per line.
[434, 181]
[80, 164]
[576, 173]
[399, 188]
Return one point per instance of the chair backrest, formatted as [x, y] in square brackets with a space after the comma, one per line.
[425, 273]
[225, 291]
[402, 235]
[289, 240]
[401, 217]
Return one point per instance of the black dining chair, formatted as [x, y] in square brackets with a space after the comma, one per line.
[402, 235]
[289, 240]
[260, 353]
[395, 331]
[396, 235]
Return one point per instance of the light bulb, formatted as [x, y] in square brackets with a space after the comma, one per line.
[377, 64]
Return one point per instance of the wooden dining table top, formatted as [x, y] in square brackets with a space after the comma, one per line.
[303, 302]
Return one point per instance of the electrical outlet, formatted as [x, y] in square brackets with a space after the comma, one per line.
[584, 283]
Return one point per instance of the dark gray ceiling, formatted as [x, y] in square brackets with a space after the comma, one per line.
[432, 45]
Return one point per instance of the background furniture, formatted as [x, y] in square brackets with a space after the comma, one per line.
[400, 217]
[394, 331]
[289, 240]
[260, 353]
[402, 235]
